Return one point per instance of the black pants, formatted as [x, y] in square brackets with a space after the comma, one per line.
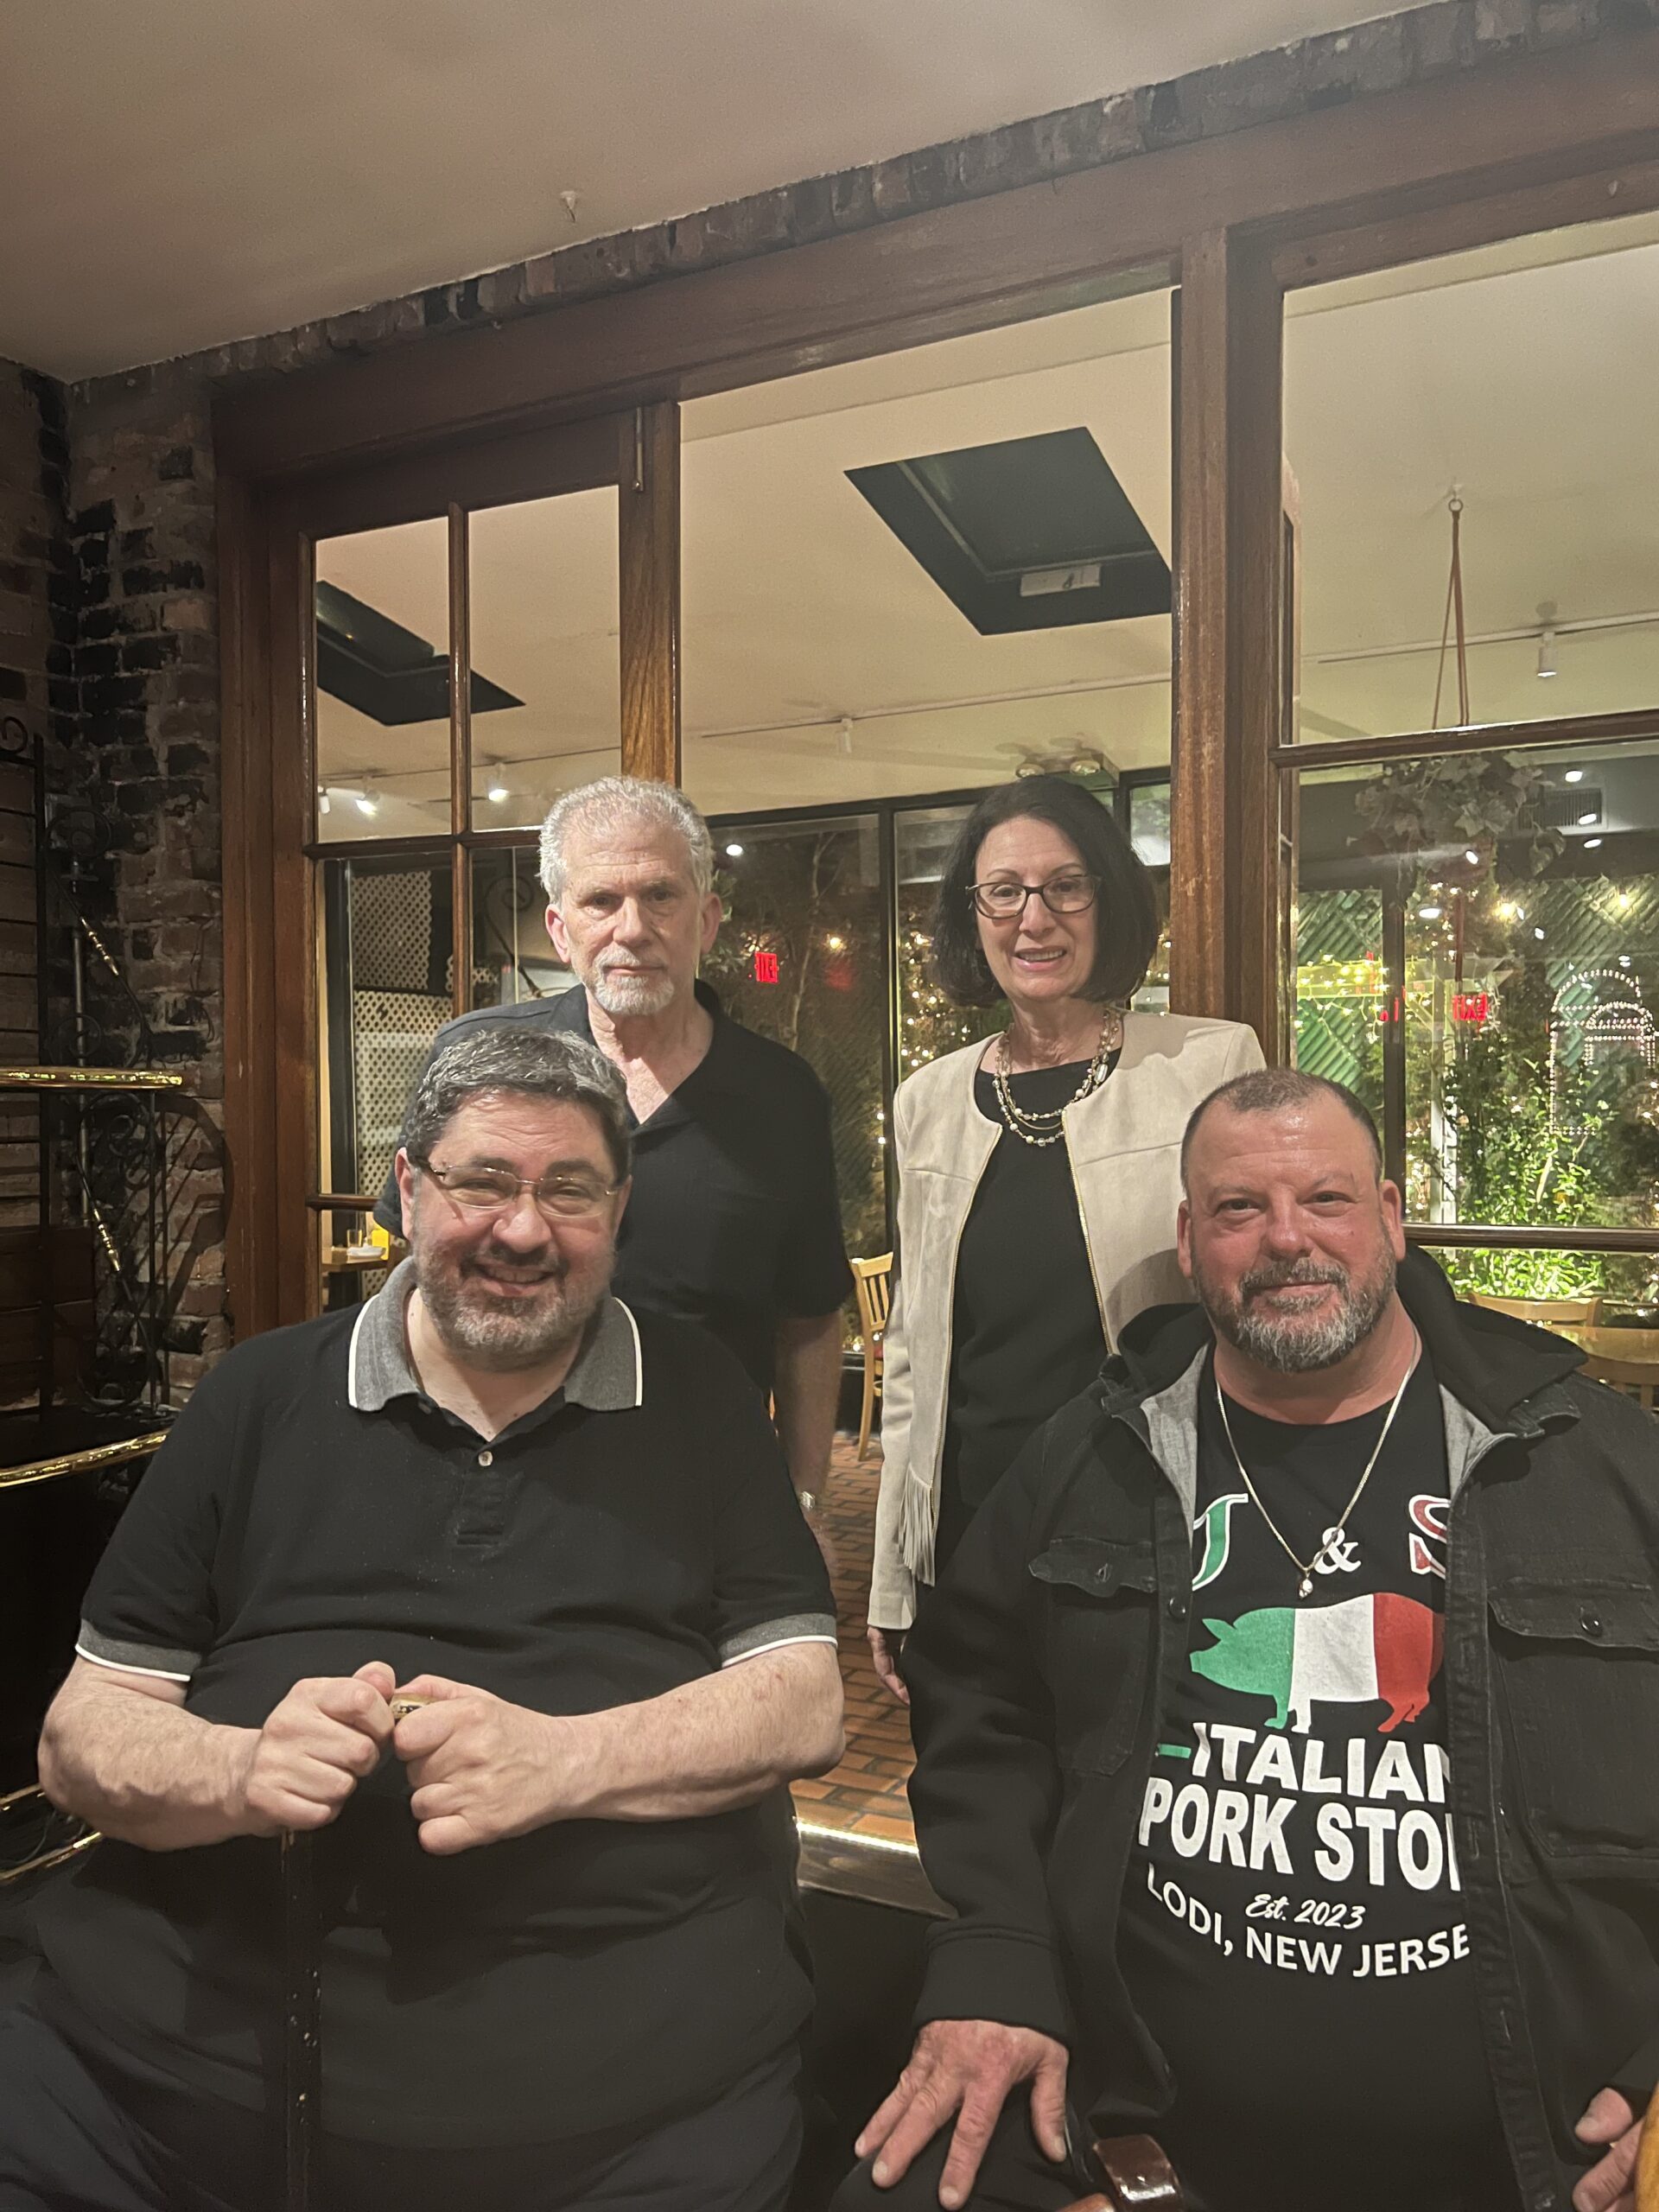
[67, 2144]
[1014, 2176]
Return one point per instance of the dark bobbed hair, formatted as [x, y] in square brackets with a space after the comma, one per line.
[1126, 907]
[1272, 1091]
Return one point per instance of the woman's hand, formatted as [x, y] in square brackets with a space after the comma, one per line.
[885, 1644]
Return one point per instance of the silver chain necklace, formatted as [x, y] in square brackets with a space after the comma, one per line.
[1325, 1560]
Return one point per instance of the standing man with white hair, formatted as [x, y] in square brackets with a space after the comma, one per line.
[733, 1221]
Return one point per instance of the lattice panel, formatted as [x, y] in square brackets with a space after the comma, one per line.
[391, 1035]
[391, 931]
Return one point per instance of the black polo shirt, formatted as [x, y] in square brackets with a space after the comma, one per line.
[312, 1509]
[733, 1220]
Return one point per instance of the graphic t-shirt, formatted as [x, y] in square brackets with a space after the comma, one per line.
[1293, 1927]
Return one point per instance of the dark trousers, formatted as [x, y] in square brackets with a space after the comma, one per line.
[1014, 2176]
[68, 2143]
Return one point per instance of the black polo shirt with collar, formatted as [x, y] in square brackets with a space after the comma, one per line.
[733, 1220]
[312, 1509]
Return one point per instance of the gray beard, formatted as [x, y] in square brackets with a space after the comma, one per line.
[1281, 1343]
[625, 997]
[504, 1340]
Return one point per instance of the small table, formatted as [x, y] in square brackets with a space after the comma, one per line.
[1638, 1347]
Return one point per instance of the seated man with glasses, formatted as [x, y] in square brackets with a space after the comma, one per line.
[555, 1969]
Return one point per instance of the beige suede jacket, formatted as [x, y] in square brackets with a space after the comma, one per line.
[1124, 1143]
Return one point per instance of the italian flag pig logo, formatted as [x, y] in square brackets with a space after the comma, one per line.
[1384, 1646]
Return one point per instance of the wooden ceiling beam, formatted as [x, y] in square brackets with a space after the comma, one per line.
[969, 266]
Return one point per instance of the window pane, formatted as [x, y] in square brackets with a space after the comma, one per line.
[799, 959]
[901, 575]
[1488, 926]
[929, 1026]
[1521, 376]
[547, 686]
[512, 955]
[383, 682]
[389, 945]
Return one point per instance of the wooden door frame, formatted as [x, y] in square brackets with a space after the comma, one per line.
[1529, 143]
[267, 531]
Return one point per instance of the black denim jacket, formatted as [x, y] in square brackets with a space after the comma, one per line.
[1039, 1672]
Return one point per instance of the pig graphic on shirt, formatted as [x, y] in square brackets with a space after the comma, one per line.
[1383, 1646]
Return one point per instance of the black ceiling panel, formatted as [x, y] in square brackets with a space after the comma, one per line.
[1029, 534]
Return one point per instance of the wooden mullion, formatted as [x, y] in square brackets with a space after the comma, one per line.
[460, 758]
[1257, 677]
[1512, 1237]
[649, 556]
[1197, 792]
[250, 1088]
[294, 1289]
[1481, 737]
[978, 263]
[1430, 228]
[1228, 672]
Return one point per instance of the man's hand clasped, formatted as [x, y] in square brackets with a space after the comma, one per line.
[479, 1769]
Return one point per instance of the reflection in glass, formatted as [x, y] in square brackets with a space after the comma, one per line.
[383, 684]
[1478, 959]
[929, 1025]
[544, 583]
[1469, 373]
[799, 959]
[389, 947]
[513, 957]
[844, 647]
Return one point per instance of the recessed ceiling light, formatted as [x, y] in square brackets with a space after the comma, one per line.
[1591, 844]
[1471, 856]
[734, 852]
[1574, 776]
[1585, 819]
[1537, 932]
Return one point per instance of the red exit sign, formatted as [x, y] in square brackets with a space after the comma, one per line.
[765, 967]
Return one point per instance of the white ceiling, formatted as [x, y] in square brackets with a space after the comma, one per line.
[1522, 376]
[176, 173]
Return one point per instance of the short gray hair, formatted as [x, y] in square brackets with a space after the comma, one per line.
[1271, 1091]
[609, 802]
[534, 1063]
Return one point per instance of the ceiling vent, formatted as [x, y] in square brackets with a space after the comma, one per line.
[386, 672]
[1029, 534]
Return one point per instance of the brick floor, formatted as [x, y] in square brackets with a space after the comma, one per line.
[865, 1795]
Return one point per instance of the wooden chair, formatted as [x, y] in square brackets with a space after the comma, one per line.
[1636, 1378]
[1139, 2179]
[1544, 1312]
[873, 1282]
[1647, 2164]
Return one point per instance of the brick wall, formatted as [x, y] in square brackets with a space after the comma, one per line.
[137, 710]
[33, 632]
[138, 721]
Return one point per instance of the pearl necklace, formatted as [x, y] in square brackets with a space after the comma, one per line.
[1045, 1126]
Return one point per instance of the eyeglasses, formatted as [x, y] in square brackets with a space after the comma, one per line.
[493, 1190]
[1061, 894]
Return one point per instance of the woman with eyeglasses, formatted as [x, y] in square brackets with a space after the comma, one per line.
[1039, 1174]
